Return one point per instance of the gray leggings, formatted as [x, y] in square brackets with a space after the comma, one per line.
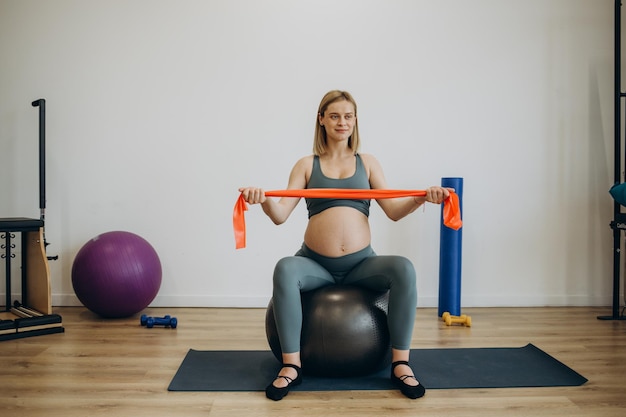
[308, 270]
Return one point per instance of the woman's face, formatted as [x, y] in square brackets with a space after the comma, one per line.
[338, 120]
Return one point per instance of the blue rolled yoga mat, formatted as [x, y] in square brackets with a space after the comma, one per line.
[450, 246]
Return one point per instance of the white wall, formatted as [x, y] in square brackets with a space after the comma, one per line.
[158, 111]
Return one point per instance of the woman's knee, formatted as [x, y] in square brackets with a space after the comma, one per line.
[403, 272]
[285, 271]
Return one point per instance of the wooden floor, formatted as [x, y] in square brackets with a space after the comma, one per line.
[118, 368]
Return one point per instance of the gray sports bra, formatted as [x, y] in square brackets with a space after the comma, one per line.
[318, 180]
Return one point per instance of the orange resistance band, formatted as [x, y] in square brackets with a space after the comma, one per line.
[451, 209]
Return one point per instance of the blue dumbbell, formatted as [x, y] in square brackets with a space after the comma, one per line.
[158, 321]
[143, 320]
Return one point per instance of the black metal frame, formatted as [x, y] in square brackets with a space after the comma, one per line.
[41, 103]
[8, 228]
[619, 219]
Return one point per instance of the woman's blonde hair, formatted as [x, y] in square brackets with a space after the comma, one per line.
[319, 140]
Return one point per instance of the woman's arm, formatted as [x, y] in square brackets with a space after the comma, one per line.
[279, 211]
[398, 208]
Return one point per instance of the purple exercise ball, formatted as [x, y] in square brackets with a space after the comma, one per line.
[116, 274]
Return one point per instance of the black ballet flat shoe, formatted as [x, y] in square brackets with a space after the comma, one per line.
[410, 391]
[274, 393]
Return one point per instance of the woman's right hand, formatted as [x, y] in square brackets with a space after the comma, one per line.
[253, 195]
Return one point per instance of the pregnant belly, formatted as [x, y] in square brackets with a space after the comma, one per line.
[338, 231]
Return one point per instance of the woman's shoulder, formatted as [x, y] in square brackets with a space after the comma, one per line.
[303, 165]
[305, 160]
[368, 159]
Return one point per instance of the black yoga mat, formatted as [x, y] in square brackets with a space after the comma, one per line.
[252, 370]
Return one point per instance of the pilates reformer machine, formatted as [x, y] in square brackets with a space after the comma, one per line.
[32, 316]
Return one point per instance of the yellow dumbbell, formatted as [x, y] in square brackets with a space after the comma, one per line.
[462, 319]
